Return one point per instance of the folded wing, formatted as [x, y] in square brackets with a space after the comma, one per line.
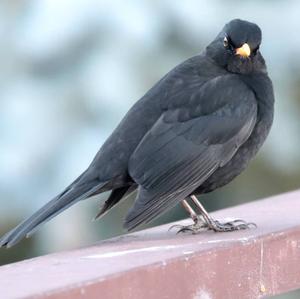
[184, 148]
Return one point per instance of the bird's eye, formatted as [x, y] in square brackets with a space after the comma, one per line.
[225, 42]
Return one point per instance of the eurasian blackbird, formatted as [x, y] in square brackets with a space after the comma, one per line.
[192, 132]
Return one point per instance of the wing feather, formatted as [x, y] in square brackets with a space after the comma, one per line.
[175, 157]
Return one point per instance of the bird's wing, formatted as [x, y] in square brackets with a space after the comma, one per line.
[184, 147]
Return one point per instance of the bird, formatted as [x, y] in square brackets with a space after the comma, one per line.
[194, 131]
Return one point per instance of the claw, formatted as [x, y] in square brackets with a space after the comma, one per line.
[175, 226]
[194, 228]
[237, 224]
[184, 229]
[204, 220]
[239, 220]
[214, 225]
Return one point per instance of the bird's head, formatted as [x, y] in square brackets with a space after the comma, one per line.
[236, 48]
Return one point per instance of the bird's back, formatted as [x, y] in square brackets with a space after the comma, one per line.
[172, 90]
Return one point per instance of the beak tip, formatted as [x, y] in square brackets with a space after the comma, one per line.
[244, 50]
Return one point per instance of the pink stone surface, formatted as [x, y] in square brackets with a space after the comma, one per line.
[157, 263]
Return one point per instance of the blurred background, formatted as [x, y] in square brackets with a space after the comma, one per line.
[69, 71]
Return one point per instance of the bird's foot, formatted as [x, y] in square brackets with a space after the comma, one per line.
[198, 226]
[205, 221]
[215, 225]
[229, 226]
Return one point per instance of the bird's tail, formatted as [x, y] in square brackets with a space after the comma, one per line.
[54, 207]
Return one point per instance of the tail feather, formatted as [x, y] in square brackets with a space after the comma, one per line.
[48, 211]
[91, 192]
[116, 196]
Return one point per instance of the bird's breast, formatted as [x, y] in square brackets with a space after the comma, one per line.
[262, 87]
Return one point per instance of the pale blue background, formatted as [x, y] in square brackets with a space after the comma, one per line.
[69, 70]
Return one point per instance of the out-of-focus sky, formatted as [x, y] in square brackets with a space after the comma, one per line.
[69, 71]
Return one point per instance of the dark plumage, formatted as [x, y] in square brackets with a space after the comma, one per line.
[193, 132]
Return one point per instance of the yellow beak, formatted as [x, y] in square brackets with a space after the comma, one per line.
[243, 51]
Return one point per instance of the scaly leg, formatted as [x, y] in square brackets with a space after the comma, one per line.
[198, 221]
[208, 221]
[190, 210]
[218, 226]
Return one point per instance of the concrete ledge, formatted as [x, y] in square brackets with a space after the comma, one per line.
[157, 263]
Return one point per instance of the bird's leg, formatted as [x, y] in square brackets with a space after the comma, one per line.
[218, 226]
[203, 220]
[198, 221]
[190, 210]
